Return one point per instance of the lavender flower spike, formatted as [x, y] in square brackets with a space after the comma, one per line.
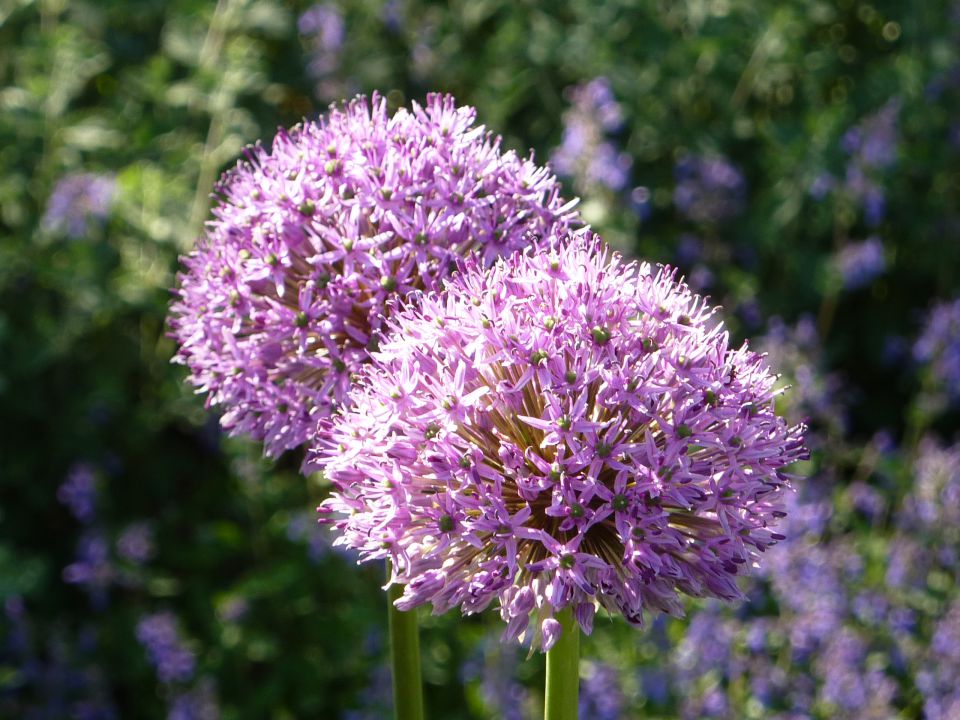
[285, 294]
[563, 430]
[160, 636]
[939, 347]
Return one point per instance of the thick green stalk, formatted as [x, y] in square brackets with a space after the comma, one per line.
[563, 676]
[405, 659]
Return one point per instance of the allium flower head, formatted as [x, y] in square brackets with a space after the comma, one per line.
[565, 429]
[284, 296]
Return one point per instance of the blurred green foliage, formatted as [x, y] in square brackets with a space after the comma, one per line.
[163, 96]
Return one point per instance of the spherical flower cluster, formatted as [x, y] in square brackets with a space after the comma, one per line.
[562, 430]
[282, 299]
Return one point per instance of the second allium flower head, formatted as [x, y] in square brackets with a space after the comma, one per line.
[563, 429]
[284, 297]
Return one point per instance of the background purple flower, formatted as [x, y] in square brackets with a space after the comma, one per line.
[586, 154]
[77, 200]
[50, 673]
[872, 147]
[136, 543]
[495, 665]
[601, 694]
[938, 346]
[160, 637]
[938, 680]
[934, 499]
[93, 567]
[873, 142]
[323, 30]
[860, 263]
[563, 430]
[810, 394]
[376, 699]
[79, 492]
[198, 703]
[709, 189]
[283, 299]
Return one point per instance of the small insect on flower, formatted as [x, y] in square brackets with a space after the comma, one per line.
[562, 430]
[284, 296]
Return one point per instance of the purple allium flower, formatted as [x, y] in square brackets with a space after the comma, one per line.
[858, 264]
[939, 346]
[79, 492]
[564, 430]
[284, 297]
[77, 199]
[709, 189]
[585, 154]
[160, 637]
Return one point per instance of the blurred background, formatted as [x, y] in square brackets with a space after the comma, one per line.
[799, 161]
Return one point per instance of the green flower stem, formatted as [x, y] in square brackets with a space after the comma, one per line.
[563, 675]
[405, 659]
